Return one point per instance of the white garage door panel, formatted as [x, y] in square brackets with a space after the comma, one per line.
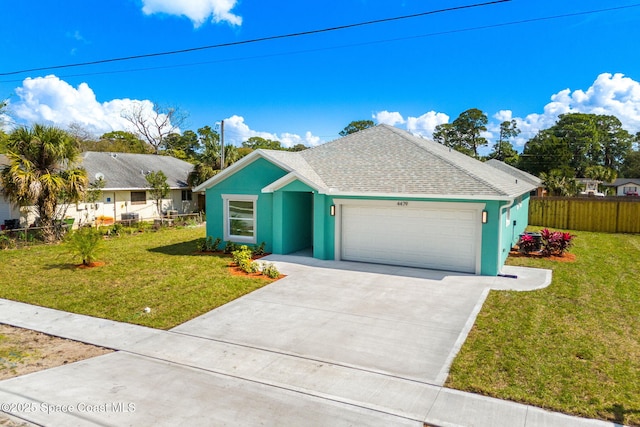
[444, 239]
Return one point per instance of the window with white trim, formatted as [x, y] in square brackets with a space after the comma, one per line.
[240, 218]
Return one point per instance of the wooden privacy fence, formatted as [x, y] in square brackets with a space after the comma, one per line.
[610, 215]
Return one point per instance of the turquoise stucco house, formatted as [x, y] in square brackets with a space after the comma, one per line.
[381, 195]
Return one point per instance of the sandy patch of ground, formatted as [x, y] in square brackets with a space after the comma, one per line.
[23, 351]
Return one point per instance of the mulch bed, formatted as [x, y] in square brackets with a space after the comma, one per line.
[91, 265]
[566, 257]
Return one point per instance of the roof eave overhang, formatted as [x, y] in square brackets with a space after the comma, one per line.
[288, 179]
[140, 188]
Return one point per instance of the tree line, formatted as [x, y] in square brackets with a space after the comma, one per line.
[578, 145]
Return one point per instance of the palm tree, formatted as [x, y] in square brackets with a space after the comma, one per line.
[42, 172]
[200, 173]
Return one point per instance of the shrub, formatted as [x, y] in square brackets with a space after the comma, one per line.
[528, 243]
[208, 244]
[230, 247]
[249, 266]
[259, 250]
[85, 243]
[6, 242]
[116, 229]
[270, 270]
[566, 241]
[243, 253]
[555, 242]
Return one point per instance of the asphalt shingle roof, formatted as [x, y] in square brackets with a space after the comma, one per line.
[384, 159]
[295, 163]
[622, 181]
[128, 171]
[520, 174]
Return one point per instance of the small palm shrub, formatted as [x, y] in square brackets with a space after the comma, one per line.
[85, 243]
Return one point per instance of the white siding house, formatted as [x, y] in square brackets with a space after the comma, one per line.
[126, 190]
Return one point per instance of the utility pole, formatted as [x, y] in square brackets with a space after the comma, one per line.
[222, 145]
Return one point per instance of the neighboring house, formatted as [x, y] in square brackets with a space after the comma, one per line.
[519, 174]
[126, 188]
[7, 211]
[380, 195]
[626, 186]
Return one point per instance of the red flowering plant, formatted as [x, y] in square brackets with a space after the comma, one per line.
[528, 243]
[555, 242]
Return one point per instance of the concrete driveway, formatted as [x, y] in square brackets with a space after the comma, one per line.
[334, 343]
[396, 321]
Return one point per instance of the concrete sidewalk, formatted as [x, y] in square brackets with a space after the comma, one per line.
[176, 377]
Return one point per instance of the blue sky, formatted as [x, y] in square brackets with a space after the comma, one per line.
[412, 73]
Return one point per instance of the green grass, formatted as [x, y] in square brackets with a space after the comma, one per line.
[573, 347]
[160, 270]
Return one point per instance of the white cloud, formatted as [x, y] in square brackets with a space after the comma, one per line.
[426, 123]
[290, 139]
[610, 94]
[198, 11]
[236, 131]
[388, 118]
[423, 125]
[54, 101]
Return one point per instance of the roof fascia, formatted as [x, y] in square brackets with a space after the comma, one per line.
[422, 196]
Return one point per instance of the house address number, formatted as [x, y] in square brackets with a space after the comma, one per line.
[402, 203]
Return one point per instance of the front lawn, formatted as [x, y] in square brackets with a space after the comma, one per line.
[573, 347]
[160, 270]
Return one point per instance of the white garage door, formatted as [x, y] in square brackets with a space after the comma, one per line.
[428, 237]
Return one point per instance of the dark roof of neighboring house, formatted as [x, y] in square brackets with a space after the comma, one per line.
[622, 181]
[127, 171]
[384, 160]
[520, 174]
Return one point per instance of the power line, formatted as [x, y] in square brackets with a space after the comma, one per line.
[440, 33]
[257, 40]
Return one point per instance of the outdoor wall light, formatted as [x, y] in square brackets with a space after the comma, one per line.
[485, 214]
[332, 210]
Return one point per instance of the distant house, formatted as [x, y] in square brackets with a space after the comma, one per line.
[381, 195]
[7, 211]
[626, 186]
[125, 194]
[519, 174]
